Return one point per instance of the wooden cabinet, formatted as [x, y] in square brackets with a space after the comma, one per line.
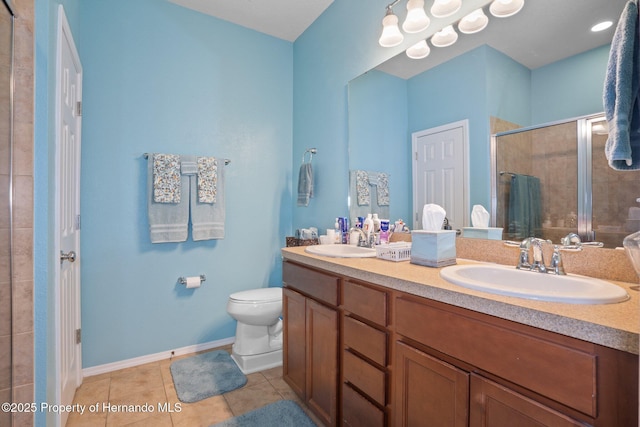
[493, 405]
[429, 392]
[364, 355]
[512, 374]
[310, 364]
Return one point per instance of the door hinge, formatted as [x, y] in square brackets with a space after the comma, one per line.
[78, 336]
[78, 222]
[416, 155]
[79, 108]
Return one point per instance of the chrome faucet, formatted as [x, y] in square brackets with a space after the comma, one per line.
[524, 262]
[363, 240]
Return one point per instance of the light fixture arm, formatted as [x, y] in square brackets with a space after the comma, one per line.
[390, 6]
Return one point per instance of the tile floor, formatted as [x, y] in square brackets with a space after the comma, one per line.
[152, 384]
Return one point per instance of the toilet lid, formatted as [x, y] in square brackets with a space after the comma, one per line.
[258, 295]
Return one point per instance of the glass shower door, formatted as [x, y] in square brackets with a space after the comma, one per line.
[615, 210]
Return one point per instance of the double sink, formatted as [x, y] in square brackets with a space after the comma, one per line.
[504, 280]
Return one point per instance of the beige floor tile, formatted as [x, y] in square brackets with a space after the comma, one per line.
[135, 407]
[152, 384]
[253, 397]
[133, 381]
[203, 413]
[88, 419]
[93, 392]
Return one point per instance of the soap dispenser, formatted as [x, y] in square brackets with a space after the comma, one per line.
[338, 230]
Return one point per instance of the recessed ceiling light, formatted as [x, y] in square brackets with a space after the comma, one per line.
[601, 26]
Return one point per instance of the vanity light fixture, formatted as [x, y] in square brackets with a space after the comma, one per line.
[419, 50]
[444, 8]
[391, 35]
[505, 8]
[445, 37]
[417, 20]
[601, 26]
[474, 22]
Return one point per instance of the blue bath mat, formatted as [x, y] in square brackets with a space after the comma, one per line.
[283, 413]
[205, 375]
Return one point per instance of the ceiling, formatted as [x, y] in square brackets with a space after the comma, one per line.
[284, 19]
[544, 31]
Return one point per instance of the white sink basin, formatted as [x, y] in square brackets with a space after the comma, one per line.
[341, 251]
[503, 280]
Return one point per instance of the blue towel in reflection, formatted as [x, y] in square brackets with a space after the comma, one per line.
[525, 207]
[621, 93]
[305, 184]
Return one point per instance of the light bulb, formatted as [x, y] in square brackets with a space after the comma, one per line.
[474, 22]
[419, 50]
[445, 37]
[505, 8]
[444, 8]
[391, 35]
[416, 20]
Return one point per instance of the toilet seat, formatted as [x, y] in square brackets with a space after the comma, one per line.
[254, 296]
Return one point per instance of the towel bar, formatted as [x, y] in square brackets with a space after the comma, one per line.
[183, 280]
[226, 161]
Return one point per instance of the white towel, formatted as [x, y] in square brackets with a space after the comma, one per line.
[168, 222]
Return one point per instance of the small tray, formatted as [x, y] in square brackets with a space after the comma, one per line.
[400, 251]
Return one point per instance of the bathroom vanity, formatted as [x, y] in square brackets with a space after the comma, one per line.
[370, 342]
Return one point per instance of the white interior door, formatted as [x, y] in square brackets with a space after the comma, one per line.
[440, 172]
[68, 126]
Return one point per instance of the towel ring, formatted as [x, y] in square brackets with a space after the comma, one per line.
[311, 152]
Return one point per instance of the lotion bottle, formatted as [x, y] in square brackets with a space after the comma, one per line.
[367, 227]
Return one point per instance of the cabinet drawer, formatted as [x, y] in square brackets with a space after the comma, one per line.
[321, 286]
[358, 411]
[519, 354]
[365, 302]
[366, 340]
[364, 376]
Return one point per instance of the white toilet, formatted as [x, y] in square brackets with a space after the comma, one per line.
[258, 344]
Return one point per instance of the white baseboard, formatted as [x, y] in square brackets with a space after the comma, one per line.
[110, 367]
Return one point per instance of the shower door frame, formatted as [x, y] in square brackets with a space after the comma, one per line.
[584, 125]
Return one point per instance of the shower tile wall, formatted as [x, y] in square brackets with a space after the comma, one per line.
[548, 153]
[22, 313]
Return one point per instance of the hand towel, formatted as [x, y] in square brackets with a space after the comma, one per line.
[168, 222]
[621, 90]
[382, 189]
[207, 219]
[305, 184]
[166, 178]
[362, 188]
[207, 179]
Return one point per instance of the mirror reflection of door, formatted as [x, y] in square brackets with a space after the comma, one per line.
[439, 172]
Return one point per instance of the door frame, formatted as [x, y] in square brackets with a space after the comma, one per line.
[464, 124]
[65, 36]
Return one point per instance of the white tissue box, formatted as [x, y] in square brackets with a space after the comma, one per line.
[491, 233]
[433, 248]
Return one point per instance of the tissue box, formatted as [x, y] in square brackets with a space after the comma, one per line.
[491, 233]
[433, 248]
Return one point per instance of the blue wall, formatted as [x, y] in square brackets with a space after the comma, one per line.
[162, 78]
[167, 79]
[378, 134]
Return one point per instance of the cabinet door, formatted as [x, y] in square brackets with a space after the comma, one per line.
[493, 405]
[322, 361]
[294, 330]
[428, 391]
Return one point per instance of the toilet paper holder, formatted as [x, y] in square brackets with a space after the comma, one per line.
[183, 280]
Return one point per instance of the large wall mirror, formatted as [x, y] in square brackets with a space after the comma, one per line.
[539, 66]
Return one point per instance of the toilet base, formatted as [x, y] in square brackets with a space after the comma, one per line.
[249, 364]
